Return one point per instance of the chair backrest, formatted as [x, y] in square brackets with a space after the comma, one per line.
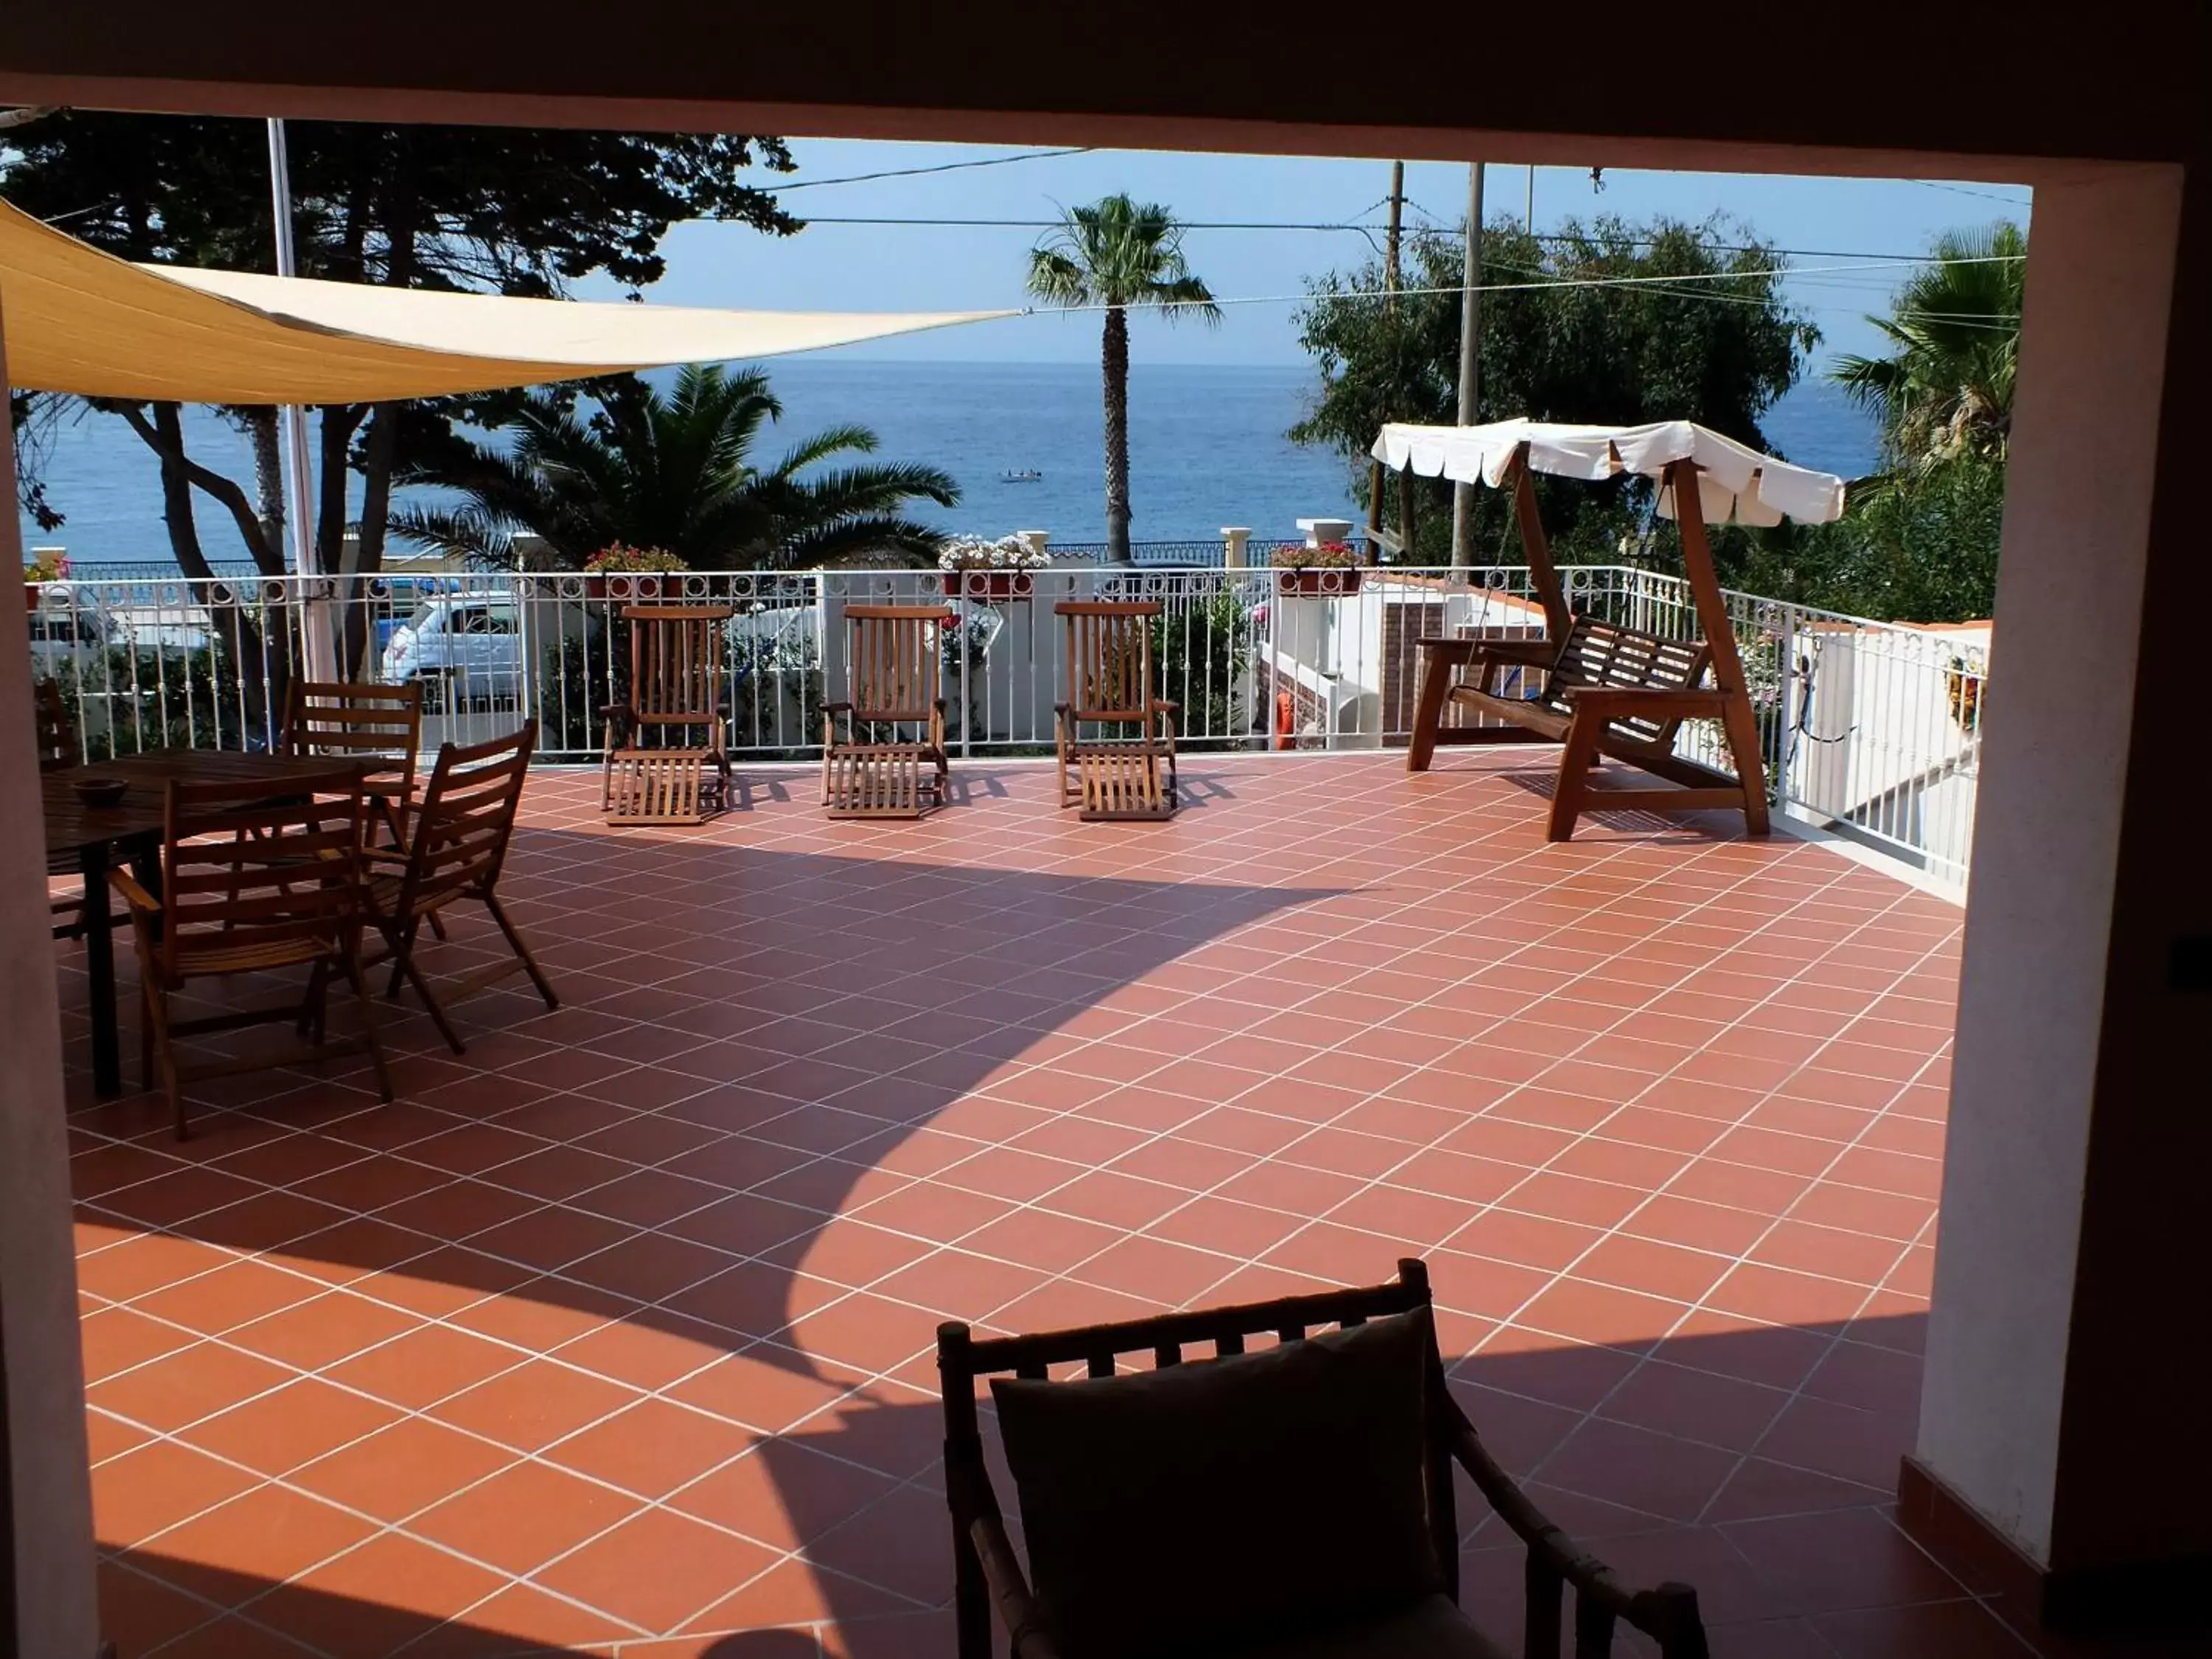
[58, 744]
[893, 664]
[676, 663]
[1109, 658]
[258, 874]
[1601, 653]
[1162, 1340]
[351, 721]
[466, 819]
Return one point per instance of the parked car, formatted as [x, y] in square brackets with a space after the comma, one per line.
[466, 649]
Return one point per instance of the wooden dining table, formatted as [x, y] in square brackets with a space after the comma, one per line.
[129, 832]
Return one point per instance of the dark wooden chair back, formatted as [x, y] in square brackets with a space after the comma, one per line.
[676, 667]
[348, 721]
[251, 883]
[894, 662]
[58, 744]
[984, 1566]
[1109, 659]
[1602, 654]
[466, 820]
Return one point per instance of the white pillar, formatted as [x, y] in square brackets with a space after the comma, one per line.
[1234, 539]
[2032, 1000]
[55, 1608]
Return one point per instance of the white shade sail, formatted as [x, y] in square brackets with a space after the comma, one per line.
[83, 321]
[1735, 484]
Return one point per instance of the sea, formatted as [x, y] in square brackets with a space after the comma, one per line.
[1207, 450]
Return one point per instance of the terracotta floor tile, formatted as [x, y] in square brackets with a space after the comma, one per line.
[425, 1366]
[297, 1424]
[536, 1403]
[229, 1297]
[319, 1332]
[1942, 1630]
[519, 1519]
[783, 1494]
[156, 1486]
[1600, 1313]
[1526, 1240]
[1243, 1230]
[194, 1383]
[1695, 1405]
[1639, 1264]
[767, 1388]
[520, 1620]
[651, 1448]
[116, 1338]
[375, 1599]
[656, 1569]
[407, 1467]
[262, 1537]
[1839, 1561]
[867, 1331]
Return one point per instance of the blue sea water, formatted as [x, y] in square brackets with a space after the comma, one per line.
[1206, 450]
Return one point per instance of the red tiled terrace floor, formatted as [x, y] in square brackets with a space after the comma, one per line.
[614, 1334]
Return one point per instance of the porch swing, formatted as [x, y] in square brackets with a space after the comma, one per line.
[1610, 690]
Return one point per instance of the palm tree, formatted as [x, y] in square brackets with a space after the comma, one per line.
[673, 471]
[1115, 254]
[1946, 390]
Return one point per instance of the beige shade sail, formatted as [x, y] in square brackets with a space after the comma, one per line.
[1736, 485]
[83, 321]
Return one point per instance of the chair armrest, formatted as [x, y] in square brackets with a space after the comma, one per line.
[1162, 706]
[139, 901]
[1009, 1591]
[1628, 703]
[618, 711]
[839, 708]
[1669, 1612]
[1447, 650]
[1529, 654]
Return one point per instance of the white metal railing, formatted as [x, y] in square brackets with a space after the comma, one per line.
[1872, 727]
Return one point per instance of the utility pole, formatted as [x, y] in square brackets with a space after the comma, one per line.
[1531, 222]
[1470, 363]
[321, 660]
[1391, 318]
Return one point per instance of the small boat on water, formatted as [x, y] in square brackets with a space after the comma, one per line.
[1026, 475]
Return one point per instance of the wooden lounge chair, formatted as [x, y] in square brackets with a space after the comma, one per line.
[251, 885]
[666, 761]
[896, 679]
[58, 749]
[1109, 684]
[459, 843]
[1606, 690]
[382, 723]
[1296, 1500]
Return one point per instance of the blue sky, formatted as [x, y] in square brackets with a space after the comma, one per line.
[900, 268]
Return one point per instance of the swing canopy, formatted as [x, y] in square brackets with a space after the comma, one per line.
[1736, 485]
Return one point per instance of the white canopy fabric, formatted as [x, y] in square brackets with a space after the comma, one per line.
[81, 320]
[1735, 484]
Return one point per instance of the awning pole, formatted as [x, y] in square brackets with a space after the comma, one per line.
[321, 659]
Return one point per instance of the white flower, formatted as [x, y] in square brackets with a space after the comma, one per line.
[974, 553]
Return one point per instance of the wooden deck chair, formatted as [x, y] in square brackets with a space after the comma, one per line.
[382, 723]
[461, 832]
[251, 885]
[666, 759]
[58, 749]
[1109, 684]
[895, 678]
[1606, 690]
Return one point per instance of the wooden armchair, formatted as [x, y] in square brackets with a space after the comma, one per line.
[253, 886]
[382, 723]
[59, 749]
[1294, 1502]
[461, 833]
[1109, 684]
[895, 674]
[667, 758]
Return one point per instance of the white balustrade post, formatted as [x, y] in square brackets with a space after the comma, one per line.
[1234, 539]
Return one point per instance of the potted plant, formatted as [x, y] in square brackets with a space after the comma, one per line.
[644, 565]
[992, 572]
[1322, 570]
[1963, 684]
[50, 566]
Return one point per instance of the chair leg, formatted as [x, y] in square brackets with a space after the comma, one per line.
[1574, 762]
[1429, 713]
[367, 1003]
[971, 1601]
[157, 1017]
[514, 940]
[400, 936]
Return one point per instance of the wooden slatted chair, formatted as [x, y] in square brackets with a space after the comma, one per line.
[895, 678]
[58, 749]
[668, 760]
[461, 833]
[1154, 1470]
[251, 885]
[1108, 653]
[361, 722]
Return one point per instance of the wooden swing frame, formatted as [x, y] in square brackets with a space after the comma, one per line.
[1609, 691]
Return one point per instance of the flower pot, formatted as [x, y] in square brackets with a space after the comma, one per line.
[31, 596]
[990, 587]
[1318, 582]
[1963, 692]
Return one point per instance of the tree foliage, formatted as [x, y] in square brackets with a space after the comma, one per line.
[508, 211]
[1945, 390]
[1602, 337]
[673, 471]
[1119, 255]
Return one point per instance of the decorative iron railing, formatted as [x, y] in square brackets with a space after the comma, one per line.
[1872, 727]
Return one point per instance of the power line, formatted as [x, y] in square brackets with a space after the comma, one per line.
[1963, 189]
[941, 166]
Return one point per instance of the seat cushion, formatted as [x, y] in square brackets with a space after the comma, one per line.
[1432, 1628]
[1188, 1510]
